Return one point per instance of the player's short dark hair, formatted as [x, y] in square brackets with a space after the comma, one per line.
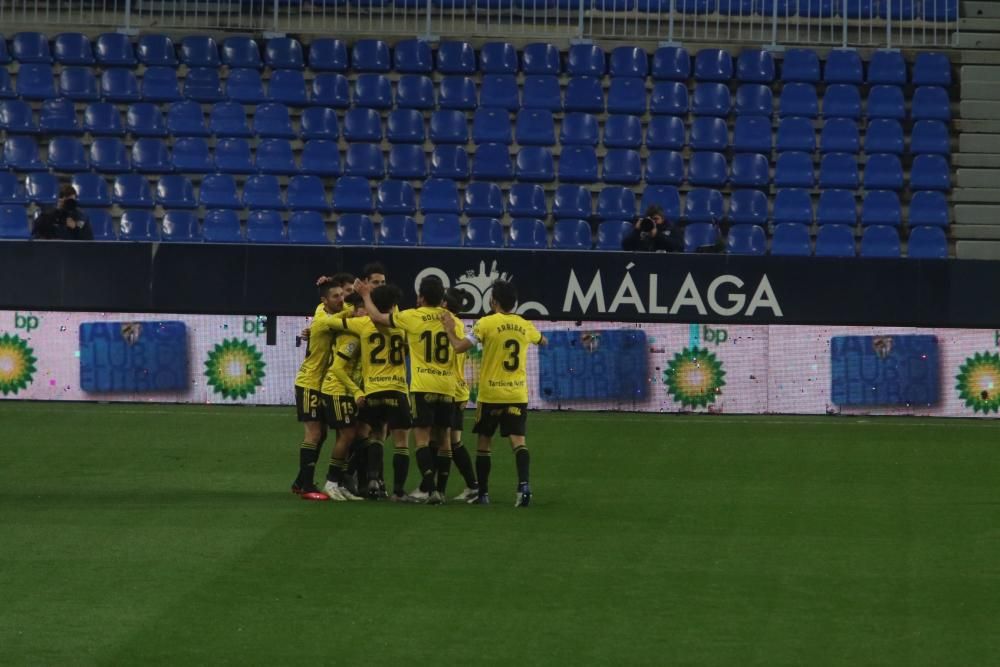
[371, 269]
[454, 298]
[385, 297]
[342, 278]
[431, 290]
[324, 288]
[355, 300]
[505, 294]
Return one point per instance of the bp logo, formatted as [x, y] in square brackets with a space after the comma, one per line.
[17, 364]
[694, 377]
[978, 382]
[234, 368]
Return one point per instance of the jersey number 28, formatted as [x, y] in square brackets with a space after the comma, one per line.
[396, 354]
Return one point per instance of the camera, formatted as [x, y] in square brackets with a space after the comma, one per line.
[646, 224]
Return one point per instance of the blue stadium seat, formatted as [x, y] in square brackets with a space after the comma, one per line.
[273, 120]
[499, 90]
[307, 227]
[928, 172]
[355, 229]
[671, 63]
[286, 53]
[228, 119]
[838, 170]
[665, 168]
[442, 230]
[201, 85]
[578, 164]
[484, 232]
[232, 156]
[185, 119]
[11, 192]
[200, 51]
[840, 135]
[541, 58]
[880, 241]
[457, 92]
[364, 159]
[627, 95]
[843, 66]
[887, 67]
[449, 127]
[395, 196]
[629, 61]
[6, 86]
[415, 91]
[174, 191]
[408, 161]
[498, 58]
[794, 169]
[30, 47]
[835, 241]
[67, 154]
[535, 164]
[528, 233]
[265, 227]
[928, 209]
[881, 207]
[709, 134]
[542, 91]
[899, 10]
[571, 202]
[610, 234]
[578, 129]
[413, 56]
[321, 123]
[320, 157]
[4, 54]
[621, 165]
[930, 136]
[156, 51]
[748, 207]
[328, 55]
[222, 227]
[780, 8]
[624, 131]
[21, 154]
[751, 134]
[363, 125]
[454, 57]
[837, 207]
[218, 191]
[190, 156]
[746, 240]
[616, 203]
[527, 200]
[750, 170]
[490, 125]
[884, 136]
[883, 171]
[138, 226]
[159, 84]
[241, 51]
[180, 227]
[151, 156]
[35, 82]
[373, 91]
[398, 230]
[669, 97]
[483, 199]
[800, 66]
[704, 205]
[927, 243]
[306, 193]
[585, 60]
[132, 191]
[755, 66]
[263, 192]
[796, 134]
[101, 225]
[288, 86]
[16, 117]
[664, 196]
[72, 48]
[450, 161]
[791, 239]
[91, 190]
[41, 188]
[713, 65]
[246, 86]
[931, 69]
[842, 101]
[571, 235]
[584, 94]
[708, 169]
[114, 50]
[534, 127]
[78, 84]
[793, 205]
[754, 99]
[886, 102]
[929, 103]
[798, 99]
[700, 235]
[108, 156]
[439, 195]
[143, 119]
[711, 99]
[666, 132]
[331, 90]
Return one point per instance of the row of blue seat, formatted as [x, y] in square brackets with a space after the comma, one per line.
[457, 57]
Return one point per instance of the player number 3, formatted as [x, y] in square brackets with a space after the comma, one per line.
[512, 363]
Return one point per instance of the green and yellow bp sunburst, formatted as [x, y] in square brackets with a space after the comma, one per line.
[17, 364]
[694, 377]
[234, 368]
[978, 382]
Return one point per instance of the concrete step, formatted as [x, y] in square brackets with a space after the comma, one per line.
[977, 178]
[976, 91]
[979, 40]
[979, 110]
[977, 249]
[980, 126]
[975, 196]
[977, 215]
[981, 9]
[969, 142]
[975, 232]
[977, 160]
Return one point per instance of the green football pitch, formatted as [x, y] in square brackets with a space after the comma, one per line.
[167, 535]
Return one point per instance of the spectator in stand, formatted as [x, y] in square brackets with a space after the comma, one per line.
[652, 232]
[65, 221]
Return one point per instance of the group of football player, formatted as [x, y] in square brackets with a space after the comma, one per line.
[372, 371]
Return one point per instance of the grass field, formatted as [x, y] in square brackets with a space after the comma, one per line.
[166, 535]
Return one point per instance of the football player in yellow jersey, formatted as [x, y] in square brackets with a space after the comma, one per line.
[307, 389]
[503, 384]
[453, 299]
[432, 379]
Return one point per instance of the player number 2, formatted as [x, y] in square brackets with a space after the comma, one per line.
[514, 361]
[396, 352]
[436, 347]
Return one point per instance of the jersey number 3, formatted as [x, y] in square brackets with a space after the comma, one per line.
[514, 360]
[396, 354]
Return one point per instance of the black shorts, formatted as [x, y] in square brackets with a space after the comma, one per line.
[339, 411]
[512, 418]
[431, 410]
[458, 416]
[309, 404]
[386, 407]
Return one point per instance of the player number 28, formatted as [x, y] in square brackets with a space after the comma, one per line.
[395, 349]
[436, 346]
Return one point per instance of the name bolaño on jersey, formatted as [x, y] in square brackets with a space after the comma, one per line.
[383, 354]
[318, 349]
[431, 354]
[503, 377]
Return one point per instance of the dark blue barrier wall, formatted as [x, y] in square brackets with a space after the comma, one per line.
[258, 279]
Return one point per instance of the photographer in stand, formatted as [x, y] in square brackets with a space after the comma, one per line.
[652, 232]
[65, 221]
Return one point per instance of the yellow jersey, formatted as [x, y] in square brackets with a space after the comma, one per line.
[503, 377]
[318, 350]
[339, 380]
[461, 386]
[383, 354]
[432, 364]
